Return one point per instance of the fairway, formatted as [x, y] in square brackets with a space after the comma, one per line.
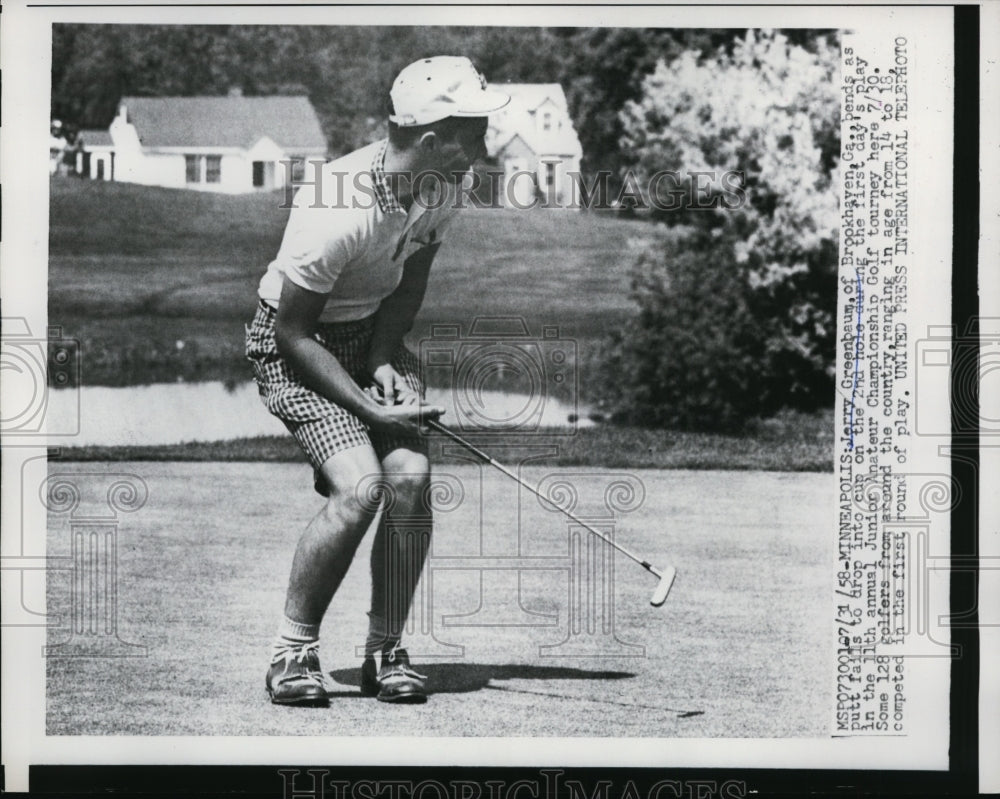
[517, 641]
[202, 255]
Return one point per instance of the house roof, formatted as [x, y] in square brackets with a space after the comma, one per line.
[519, 119]
[531, 95]
[95, 138]
[515, 146]
[229, 121]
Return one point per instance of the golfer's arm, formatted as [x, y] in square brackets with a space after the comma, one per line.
[395, 315]
[297, 317]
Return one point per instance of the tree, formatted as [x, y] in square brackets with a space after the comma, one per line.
[691, 359]
[345, 70]
[765, 111]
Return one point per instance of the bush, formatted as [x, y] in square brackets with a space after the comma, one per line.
[736, 302]
[684, 364]
[706, 351]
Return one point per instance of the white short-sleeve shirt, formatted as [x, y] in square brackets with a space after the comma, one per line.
[348, 237]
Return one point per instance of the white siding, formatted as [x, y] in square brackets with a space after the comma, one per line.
[95, 158]
[522, 126]
[167, 167]
[153, 169]
[237, 175]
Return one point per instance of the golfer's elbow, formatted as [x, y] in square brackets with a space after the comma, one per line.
[288, 340]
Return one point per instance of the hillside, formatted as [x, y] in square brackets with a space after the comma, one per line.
[135, 270]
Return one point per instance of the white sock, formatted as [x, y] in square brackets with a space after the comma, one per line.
[293, 633]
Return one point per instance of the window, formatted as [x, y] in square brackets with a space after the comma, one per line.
[547, 121]
[258, 174]
[298, 168]
[192, 166]
[213, 168]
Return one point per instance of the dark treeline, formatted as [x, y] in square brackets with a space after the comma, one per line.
[346, 71]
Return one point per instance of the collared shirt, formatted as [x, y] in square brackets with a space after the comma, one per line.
[348, 236]
[384, 194]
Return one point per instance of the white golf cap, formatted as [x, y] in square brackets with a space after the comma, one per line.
[444, 86]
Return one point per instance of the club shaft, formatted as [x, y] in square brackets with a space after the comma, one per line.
[496, 464]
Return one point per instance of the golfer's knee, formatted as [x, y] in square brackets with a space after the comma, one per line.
[406, 462]
[409, 491]
[407, 475]
[345, 509]
[350, 502]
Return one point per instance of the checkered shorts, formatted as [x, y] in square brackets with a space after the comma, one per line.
[322, 427]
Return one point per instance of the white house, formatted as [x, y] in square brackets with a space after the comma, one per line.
[535, 144]
[95, 155]
[230, 144]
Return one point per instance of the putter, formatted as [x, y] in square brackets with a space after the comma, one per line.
[665, 575]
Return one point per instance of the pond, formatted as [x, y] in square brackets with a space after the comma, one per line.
[173, 413]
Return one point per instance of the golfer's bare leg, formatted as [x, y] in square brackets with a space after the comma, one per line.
[402, 540]
[327, 546]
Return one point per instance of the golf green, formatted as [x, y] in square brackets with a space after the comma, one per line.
[524, 626]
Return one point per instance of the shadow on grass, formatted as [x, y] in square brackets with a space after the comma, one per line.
[461, 678]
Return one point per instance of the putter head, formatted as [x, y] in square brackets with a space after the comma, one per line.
[663, 587]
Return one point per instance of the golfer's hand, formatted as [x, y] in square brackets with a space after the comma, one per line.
[392, 387]
[404, 420]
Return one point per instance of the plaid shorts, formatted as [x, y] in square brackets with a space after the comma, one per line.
[322, 427]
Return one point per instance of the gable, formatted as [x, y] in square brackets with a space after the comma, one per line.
[548, 105]
[515, 147]
[524, 117]
[290, 122]
[532, 95]
[264, 149]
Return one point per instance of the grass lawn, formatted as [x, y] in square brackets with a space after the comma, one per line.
[740, 648]
[134, 270]
[157, 284]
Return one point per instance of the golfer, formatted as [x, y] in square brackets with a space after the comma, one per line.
[327, 351]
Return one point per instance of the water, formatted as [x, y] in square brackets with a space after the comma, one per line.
[175, 413]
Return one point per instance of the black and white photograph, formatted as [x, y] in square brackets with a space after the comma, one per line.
[521, 386]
